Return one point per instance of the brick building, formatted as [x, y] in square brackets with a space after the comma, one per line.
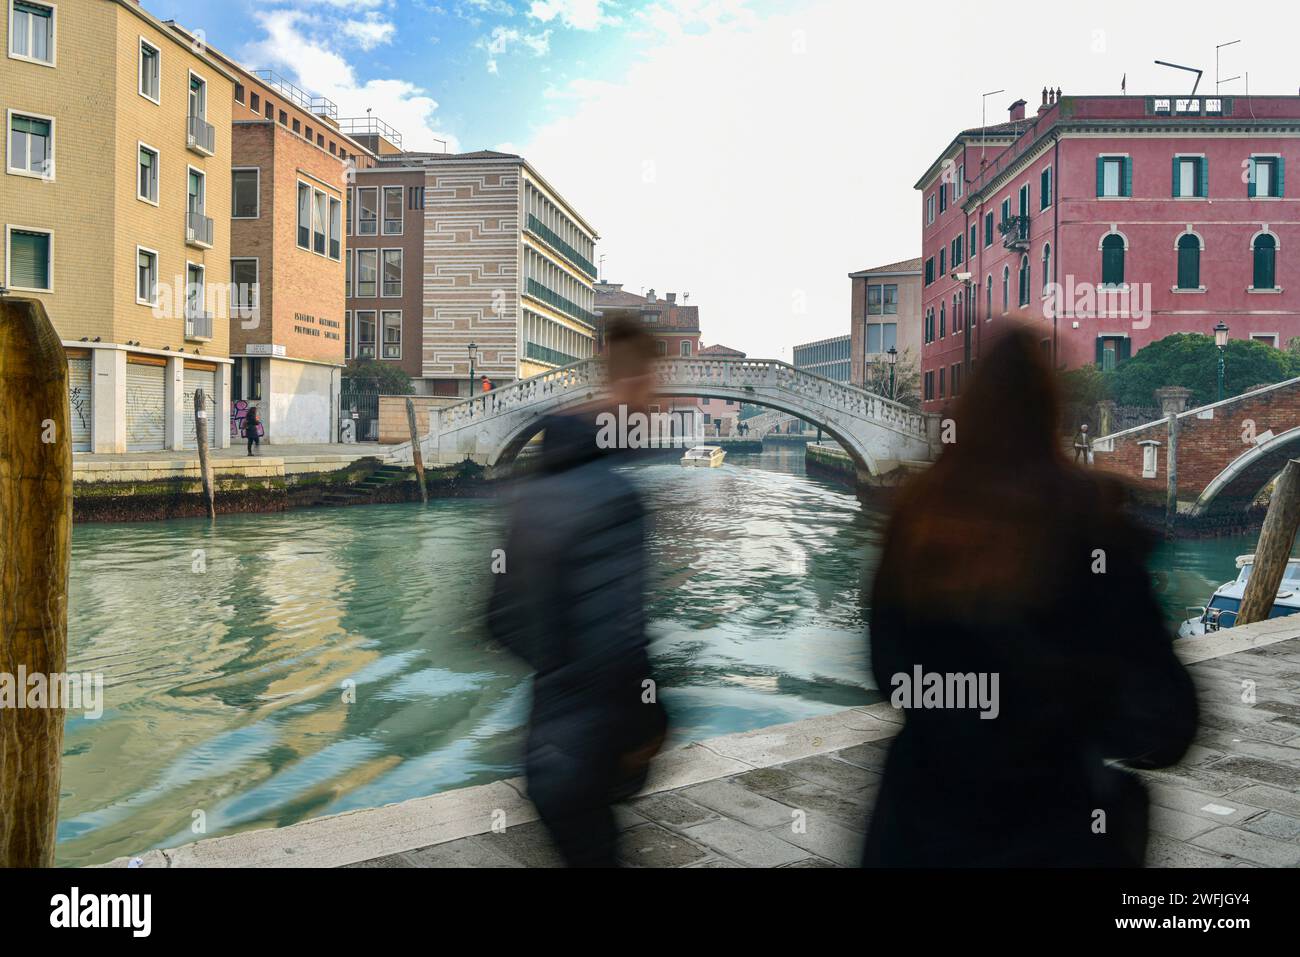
[674, 325]
[1110, 221]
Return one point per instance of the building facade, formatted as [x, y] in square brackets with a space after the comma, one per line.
[1110, 222]
[674, 325]
[885, 313]
[114, 199]
[720, 415]
[829, 358]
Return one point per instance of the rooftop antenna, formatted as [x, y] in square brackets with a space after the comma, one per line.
[1217, 81]
[1189, 69]
[984, 102]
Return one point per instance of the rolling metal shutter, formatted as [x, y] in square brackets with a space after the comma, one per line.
[79, 401]
[204, 378]
[146, 418]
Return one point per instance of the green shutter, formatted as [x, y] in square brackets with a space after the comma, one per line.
[1128, 176]
[1101, 351]
[1281, 176]
[1174, 193]
[1203, 175]
[29, 124]
[1125, 349]
[1250, 178]
[29, 260]
[1101, 184]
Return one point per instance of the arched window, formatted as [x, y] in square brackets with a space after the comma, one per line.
[1112, 260]
[1006, 288]
[1024, 280]
[988, 297]
[1047, 266]
[956, 312]
[943, 327]
[1189, 261]
[1265, 247]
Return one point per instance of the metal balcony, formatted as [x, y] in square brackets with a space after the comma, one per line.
[1015, 232]
[198, 325]
[198, 230]
[201, 136]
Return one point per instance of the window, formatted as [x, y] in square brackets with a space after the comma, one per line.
[1024, 280]
[661, 347]
[1045, 188]
[874, 306]
[1114, 176]
[881, 337]
[392, 272]
[988, 297]
[366, 333]
[1266, 176]
[1112, 260]
[198, 97]
[297, 125]
[943, 321]
[146, 276]
[392, 210]
[1005, 211]
[988, 229]
[336, 229]
[956, 380]
[195, 295]
[31, 145]
[254, 103]
[943, 197]
[929, 386]
[958, 187]
[239, 93]
[1191, 176]
[349, 210]
[929, 209]
[1268, 338]
[929, 270]
[1149, 458]
[319, 221]
[943, 262]
[147, 188]
[243, 289]
[941, 372]
[150, 71]
[1024, 200]
[244, 186]
[1189, 261]
[1006, 288]
[956, 313]
[368, 212]
[392, 325]
[347, 275]
[27, 267]
[347, 328]
[973, 246]
[304, 216]
[270, 110]
[195, 199]
[1111, 351]
[31, 31]
[686, 348]
[1047, 266]
[1265, 249]
[367, 273]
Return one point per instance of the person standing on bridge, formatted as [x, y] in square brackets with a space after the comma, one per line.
[571, 603]
[1009, 570]
[1082, 445]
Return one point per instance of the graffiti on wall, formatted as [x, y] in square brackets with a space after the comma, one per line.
[238, 410]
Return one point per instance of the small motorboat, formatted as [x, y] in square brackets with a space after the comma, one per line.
[1221, 612]
[706, 456]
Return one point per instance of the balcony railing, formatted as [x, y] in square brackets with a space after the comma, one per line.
[202, 136]
[198, 230]
[552, 239]
[320, 105]
[1015, 232]
[370, 126]
[533, 351]
[538, 291]
[198, 325]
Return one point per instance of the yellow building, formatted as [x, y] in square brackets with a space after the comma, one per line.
[115, 205]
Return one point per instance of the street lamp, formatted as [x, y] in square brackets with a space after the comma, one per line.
[473, 352]
[892, 356]
[1221, 340]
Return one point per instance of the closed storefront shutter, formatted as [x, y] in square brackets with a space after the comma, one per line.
[79, 402]
[146, 419]
[199, 377]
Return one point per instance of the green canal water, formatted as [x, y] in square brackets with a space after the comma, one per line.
[271, 668]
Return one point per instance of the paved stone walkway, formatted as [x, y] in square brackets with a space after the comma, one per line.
[1233, 802]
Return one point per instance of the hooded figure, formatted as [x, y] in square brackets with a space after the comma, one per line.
[1012, 617]
[571, 603]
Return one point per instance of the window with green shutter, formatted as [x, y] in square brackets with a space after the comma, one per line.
[1114, 176]
[31, 145]
[29, 260]
[1265, 265]
[1266, 176]
[1045, 188]
[31, 31]
[1189, 262]
[1112, 260]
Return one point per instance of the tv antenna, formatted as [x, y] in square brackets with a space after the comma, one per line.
[984, 102]
[1217, 81]
[1189, 69]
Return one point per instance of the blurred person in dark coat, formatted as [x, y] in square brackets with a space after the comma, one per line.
[1004, 559]
[571, 603]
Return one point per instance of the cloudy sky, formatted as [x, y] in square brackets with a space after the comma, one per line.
[749, 153]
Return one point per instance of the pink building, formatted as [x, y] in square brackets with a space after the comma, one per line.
[1110, 221]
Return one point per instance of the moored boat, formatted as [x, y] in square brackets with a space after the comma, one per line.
[1221, 611]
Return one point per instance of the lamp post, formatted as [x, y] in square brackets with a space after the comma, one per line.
[473, 352]
[1221, 340]
[892, 356]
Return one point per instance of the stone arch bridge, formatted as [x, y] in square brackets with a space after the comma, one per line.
[492, 427]
[1227, 452]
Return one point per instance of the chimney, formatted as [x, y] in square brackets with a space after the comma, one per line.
[672, 298]
[650, 296]
[1046, 104]
[1017, 110]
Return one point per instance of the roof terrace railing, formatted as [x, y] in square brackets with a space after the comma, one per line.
[370, 126]
[319, 105]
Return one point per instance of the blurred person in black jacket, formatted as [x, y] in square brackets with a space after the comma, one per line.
[1005, 560]
[571, 603]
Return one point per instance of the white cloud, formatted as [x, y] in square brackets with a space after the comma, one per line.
[576, 14]
[298, 44]
[502, 39]
[371, 32]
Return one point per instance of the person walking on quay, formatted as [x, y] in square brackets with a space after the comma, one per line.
[252, 424]
[1012, 616]
[570, 602]
[1082, 445]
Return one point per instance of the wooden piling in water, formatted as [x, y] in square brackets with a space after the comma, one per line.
[416, 457]
[201, 440]
[1273, 550]
[35, 549]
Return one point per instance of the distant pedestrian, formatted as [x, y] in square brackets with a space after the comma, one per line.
[487, 384]
[1082, 445]
[252, 424]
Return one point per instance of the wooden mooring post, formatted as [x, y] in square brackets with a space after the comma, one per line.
[1273, 550]
[35, 549]
[201, 440]
[416, 457]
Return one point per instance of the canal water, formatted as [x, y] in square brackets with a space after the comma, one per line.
[231, 652]
[271, 668]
